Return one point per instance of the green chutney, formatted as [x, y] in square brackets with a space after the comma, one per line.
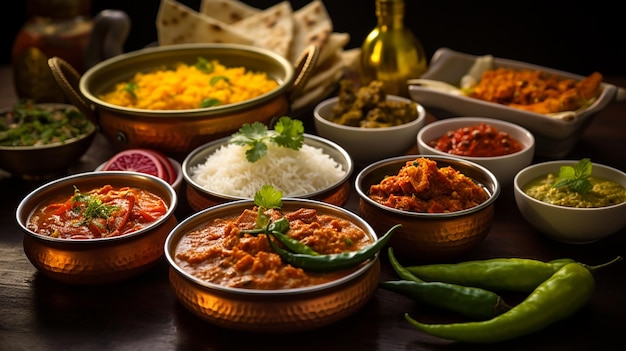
[604, 193]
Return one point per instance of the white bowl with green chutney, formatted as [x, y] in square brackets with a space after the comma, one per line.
[553, 210]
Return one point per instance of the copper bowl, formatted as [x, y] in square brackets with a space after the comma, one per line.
[200, 198]
[103, 260]
[176, 132]
[45, 161]
[274, 311]
[429, 236]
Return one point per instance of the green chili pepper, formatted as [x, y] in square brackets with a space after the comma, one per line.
[560, 296]
[497, 274]
[331, 262]
[471, 302]
[294, 245]
[278, 229]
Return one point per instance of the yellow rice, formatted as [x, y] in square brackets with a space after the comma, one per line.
[185, 87]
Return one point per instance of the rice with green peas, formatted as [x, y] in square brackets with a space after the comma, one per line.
[205, 84]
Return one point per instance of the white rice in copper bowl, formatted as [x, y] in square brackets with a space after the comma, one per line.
[220, 169]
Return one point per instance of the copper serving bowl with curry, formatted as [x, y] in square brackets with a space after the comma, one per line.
[445, 204]
[177, 97]
[97, 227]
[231, 275]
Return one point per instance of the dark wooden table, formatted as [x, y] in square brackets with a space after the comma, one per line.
[37, 313]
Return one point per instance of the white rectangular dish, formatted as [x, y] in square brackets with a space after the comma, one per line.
[554, 137]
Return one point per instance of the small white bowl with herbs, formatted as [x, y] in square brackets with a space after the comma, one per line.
[572, 201]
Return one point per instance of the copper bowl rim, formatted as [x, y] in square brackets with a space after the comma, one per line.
[204, 151]
[493, 187]
[174, 237]
[155, 52]
[92, 130]
[43, 192]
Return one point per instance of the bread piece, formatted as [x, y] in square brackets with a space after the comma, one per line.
[179, 24]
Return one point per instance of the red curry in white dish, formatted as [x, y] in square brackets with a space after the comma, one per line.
[219, 253]
[98, 213]
[481, 140]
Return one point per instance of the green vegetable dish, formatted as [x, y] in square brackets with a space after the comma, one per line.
[575, 187]
[30, 124]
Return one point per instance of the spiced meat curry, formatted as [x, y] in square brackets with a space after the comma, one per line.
[421, 186]
[219, 253]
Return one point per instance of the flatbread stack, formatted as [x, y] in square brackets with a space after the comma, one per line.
[278, 28]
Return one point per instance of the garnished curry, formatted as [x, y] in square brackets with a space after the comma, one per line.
[98, 213]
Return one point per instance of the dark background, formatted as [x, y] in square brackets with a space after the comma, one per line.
[578, 37]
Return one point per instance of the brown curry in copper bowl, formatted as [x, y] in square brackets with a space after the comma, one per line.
[229, 275]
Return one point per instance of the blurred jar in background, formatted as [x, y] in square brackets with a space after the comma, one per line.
[54, 28]
[391, 53]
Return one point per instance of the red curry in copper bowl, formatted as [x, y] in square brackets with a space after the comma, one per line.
[97, 227]
[238, 281]
[445, 204]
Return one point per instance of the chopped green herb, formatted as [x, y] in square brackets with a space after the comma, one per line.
[575, 178]
[130, 88]
[216, 79]
[92, 206]
[287, 133]
[28, 123]
[210, 102]
[203, 65]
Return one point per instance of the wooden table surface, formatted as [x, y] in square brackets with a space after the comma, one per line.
[37, 313]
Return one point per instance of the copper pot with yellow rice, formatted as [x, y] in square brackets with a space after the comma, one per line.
[172, 130]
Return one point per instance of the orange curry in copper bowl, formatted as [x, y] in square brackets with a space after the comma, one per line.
[97, 227]
[298, 266]
[444, 204]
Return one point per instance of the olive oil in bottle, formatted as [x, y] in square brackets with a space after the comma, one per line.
[391, 53]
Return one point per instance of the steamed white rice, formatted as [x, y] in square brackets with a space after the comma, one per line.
[294, 172]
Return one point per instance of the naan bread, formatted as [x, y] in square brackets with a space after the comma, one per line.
[334, 45]
[312, 25]
[178, 24]
[271, 28]
[227, 11]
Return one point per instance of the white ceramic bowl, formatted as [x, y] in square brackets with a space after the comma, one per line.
[555, 137]
[503, 167]
[366, 145]
[568, 224]
[179, 173]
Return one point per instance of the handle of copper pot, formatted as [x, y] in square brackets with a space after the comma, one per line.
[303, 67]
[107, 38]
[68, 78]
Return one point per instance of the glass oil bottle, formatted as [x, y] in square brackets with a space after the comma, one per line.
[391, 53]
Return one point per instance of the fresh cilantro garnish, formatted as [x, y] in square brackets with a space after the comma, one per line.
[266, 198]
[575, 178]
[203, 65]
[130, 88]
[91, 206]
[287, 133]
[210, 102]
[216, 79]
